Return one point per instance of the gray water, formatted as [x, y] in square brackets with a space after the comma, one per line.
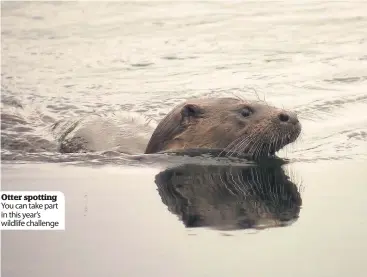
[66, 60]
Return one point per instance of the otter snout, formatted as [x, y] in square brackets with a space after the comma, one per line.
[288, 117]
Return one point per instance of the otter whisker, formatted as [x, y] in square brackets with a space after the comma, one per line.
[235, 95]
[259, 142]
[260, 149]
[257, 95]
[235, 183]
[253, 140]
[241, 147]
[226, 149]
[242, 181]
[254, 90]
[255, 148]
[260, 132]
[285, 149]
[225, 184]
[230, 146]
[246, 140]
[273, 143]
[277, 142]
[270, 143]
[235, 147]
[261, 187]
[281, 141]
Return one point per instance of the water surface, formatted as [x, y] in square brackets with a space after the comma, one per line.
[62, 61]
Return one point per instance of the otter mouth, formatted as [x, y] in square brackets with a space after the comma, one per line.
[265, 146]
[269, 149]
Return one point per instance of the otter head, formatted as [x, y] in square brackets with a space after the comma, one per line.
[234, 125]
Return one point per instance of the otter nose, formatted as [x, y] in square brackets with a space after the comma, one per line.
[289, 117]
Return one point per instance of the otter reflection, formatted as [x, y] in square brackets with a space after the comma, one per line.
[229, 197]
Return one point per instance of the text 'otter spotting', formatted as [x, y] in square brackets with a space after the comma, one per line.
[32, 210]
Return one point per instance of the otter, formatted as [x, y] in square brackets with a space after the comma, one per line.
[223, 127]
[235, 126]
[229, 197]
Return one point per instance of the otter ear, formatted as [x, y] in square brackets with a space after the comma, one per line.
[191, 110]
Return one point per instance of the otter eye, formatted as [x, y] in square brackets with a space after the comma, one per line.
[246, 112]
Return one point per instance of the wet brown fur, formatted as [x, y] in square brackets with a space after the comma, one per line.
[218, 123]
